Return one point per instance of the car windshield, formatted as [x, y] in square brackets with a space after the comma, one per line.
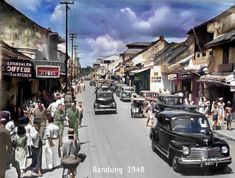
[104, 95]
[189, 124]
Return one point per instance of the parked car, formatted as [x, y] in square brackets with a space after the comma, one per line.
[126, 92]
[92, 82]
[104, 102]
[173, 101]
[118, 88]
[149, 95]
[137, 106]
[186, 140]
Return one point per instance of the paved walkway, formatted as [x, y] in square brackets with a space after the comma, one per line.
[227, 133]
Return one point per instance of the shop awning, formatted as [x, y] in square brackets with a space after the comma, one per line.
[217, 79]
[139, 71]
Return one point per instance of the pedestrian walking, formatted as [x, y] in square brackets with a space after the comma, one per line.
[52, 144]
[70, 153]
[36, 164]
[221, 105]
[40, 116]
[201, 104]
[73, 117]
[228, 115]
[80, 109]
[59, 117]
[28, 128]
[214, 111]
[149, 110]
[20, 150]
[6, 149]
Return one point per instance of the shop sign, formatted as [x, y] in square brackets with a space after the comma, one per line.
[184, 75]
[17, 68]
[232, 87]
[172, 77]
[156, 79]
[47, 71]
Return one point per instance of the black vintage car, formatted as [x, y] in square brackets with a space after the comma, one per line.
[104, 102]
[173, 101]
[186, 140]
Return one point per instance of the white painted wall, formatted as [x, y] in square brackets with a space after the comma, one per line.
[156, 81]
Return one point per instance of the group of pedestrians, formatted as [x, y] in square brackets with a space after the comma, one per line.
[35, 126]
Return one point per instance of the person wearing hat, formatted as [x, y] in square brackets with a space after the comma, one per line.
[221, 105]
[5, 147]
[71, 149]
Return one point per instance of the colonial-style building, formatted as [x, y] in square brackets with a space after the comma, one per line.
[38, 45]
[215, 47]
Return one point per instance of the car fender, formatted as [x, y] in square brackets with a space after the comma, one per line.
[175, 149]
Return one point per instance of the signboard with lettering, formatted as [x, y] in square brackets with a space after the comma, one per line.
[184, 75]
[47, 71]
[172, 77]
[17, 68]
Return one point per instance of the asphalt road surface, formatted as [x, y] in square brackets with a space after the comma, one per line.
[118, 146]
[121, 146]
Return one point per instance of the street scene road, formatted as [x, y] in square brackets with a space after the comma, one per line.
[117, 145]
[64, 62]
[119, 141]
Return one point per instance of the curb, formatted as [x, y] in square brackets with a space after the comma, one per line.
[224, 135]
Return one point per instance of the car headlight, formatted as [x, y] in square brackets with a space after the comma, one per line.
[186, 150]
[224, 149]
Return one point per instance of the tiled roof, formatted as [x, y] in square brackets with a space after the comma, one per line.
[226, 38]
[172, 53]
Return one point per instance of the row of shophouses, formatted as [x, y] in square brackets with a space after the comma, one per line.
[31, 58]
[203, 64]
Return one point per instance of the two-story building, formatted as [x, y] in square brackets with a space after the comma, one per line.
[36, 44]
[215, 41]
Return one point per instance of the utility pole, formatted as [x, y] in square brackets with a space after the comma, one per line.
[72, 36]
[66, 40]
[75, 53]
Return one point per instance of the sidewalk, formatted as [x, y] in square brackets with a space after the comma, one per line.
[230, 134]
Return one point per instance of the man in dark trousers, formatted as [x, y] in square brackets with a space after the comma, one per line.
[5, 147]
[36, 149]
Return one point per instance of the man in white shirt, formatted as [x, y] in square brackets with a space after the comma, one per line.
[36, 148]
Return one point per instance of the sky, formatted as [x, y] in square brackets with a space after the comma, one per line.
[105, 27]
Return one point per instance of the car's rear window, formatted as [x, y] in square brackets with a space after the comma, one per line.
[104, 95]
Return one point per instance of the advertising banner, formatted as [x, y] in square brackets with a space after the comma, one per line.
[47, 71]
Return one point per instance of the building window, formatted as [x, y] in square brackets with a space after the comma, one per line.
[198, 55]
[225, 54]
[204, 53]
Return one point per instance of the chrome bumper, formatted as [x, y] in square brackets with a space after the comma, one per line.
[105, 109]
[205, 161]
